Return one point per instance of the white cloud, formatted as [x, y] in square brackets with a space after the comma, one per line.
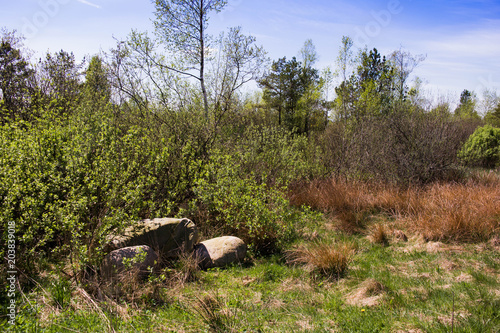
[85, 2]
[477, 43]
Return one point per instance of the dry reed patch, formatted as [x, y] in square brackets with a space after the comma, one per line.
[369, 293]
[346, 201]
[457, 212]
[343, 196]
[399, 236]
[495, 242]
[323, 259]
[351, 203]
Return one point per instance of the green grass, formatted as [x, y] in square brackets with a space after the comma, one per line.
[409, 286]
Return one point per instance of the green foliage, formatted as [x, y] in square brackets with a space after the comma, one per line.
[239, 205]
[96, 86]
[467, 107]
[273, 155]
[292, 89]
[493, 117]
[482, 148]
[58, 85]
[61, 293]
[368, 92]
[138, 258]
[66, 183]
[15, 75]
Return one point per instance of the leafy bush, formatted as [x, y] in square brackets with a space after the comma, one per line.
[232, 203]
[67, 183]
[272, 154]
[482, 148]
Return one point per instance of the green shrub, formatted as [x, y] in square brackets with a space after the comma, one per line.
[271, 153]
[67, 183]
[482, 148]
[228, 202]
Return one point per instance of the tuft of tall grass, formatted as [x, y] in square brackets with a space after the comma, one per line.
[379, 234]
[214, 312]
[323, 259]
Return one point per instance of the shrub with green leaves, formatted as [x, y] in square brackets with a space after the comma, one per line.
[67, 182]
[482, 148]
[228, 202]
[273, 154]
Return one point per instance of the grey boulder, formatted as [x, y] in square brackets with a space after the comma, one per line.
[135, 259]
[169, 236]
[220, 252]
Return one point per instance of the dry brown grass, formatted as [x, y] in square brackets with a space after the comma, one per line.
[323, 259]
[340, 195]
[460, 212]
[457, 212]
[379, 234]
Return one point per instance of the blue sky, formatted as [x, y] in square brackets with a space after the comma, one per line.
[460, 38]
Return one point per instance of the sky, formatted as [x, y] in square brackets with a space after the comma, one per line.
[461, 39]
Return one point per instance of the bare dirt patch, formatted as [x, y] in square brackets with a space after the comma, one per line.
[464, 277]
[294, 284]
[369, 293]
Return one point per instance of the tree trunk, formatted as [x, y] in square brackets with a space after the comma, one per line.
[202, 59]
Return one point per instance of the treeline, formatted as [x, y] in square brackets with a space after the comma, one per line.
[159, 127]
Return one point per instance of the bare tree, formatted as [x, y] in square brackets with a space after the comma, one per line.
[182, 25]
[239, 61]
[345, 61]
[404, 63]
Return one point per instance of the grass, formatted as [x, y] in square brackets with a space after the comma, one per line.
[412, 286]
[409, 260]
[458, 212]
[379, 235]
[214, 312]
